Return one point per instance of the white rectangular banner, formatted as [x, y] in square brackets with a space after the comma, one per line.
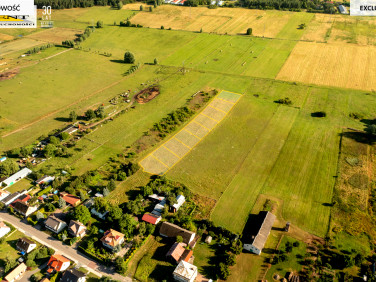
[16, 7]
[363, 8]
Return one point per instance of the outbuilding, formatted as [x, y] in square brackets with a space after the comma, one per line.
[17, 176]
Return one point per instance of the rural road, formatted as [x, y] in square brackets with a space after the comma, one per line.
[62, 249]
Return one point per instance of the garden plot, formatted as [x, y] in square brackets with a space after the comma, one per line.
[172, 151]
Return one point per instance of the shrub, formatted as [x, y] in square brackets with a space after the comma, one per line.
[285, 101]
[99, 24]
[319, 114]
[129, 58]
[249, 31]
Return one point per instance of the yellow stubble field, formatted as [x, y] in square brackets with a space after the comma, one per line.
[222, 20]
[339, 65]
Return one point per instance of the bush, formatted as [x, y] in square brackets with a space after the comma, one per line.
[249, 31]
[318, 114]
[285, 101]
[99, 24]
[129, 58]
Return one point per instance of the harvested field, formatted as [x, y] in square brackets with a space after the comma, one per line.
[18, 45]
[172, 151]
[55, 35]
[5, 37]
[347, 66]
[147, 94]
[224, 20]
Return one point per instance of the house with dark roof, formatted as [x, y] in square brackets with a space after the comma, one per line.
[73, 275]
[112, 239]
[172, 231]
[151, 218]
[57, 263]
[25, 245]
[54, 224]
[12, 197]
[77, 229]
[255, 242]
[24, 208]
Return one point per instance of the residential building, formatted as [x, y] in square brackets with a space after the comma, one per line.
[180, 200]
[45, 280]
[342, 9]
[4, 229]
[255, 241]
[98, 214]
[57, 263]
[24, 208]
[3, 194]
[77, 229]
[45, 180]
[156, 198]
[185, 272]
[171, 230]
[178, 252]
[17, 176]
[112, 239]
[151, 218]
[54, 224]
[73, 275]
[25, 245]
[16, 273]
[12, 197]
[74, 201]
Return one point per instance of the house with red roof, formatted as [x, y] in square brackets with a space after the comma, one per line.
[178, 252]
[151, 218]
[74, 201]
[112, 239]
[57, 263]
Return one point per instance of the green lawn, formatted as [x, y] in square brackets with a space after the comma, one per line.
[105, 14]
[23, 184]
[8, 247]
[291, 30]
[293, 261]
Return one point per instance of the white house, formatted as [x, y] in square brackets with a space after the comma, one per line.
[45, 180]
[54, 224]
[4, 229]
[24, 208]
[16, 273]
[185, 272]
[98, 214]
[17, 176]
[77, 229]
[25, 245]
[180, 200]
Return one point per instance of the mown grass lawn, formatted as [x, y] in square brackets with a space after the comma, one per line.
[8, 247]
[23, 184]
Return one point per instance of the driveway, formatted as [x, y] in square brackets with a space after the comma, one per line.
[59, 247]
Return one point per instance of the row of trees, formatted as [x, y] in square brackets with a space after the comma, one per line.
[293, 5]
[174, 119]
[40, 48]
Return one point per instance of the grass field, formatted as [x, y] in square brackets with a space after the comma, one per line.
[268, 23]
[23, 184]
[8, 247]
[346, 66]
[17, 45]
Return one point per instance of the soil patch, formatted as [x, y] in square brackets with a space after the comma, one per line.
[147, 94]
[8, 74]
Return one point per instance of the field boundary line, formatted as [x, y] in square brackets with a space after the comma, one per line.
[202, 125]
[218, 109]
[209, 117]
[184, 128]
[193, 134]
[183, 143]
[160, 161]
[226, 101]
[170, 151]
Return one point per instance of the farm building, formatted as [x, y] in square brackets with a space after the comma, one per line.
[45, 180]
[151, 218]
[180, 200]
[16, 273]
[70, 129]
[17, 176]
[185, 272]
[342, 9]
[25, 245]
[255, 242]
[171, 230]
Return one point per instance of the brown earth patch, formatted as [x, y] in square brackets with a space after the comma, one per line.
[147, 94]
[8, 74]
